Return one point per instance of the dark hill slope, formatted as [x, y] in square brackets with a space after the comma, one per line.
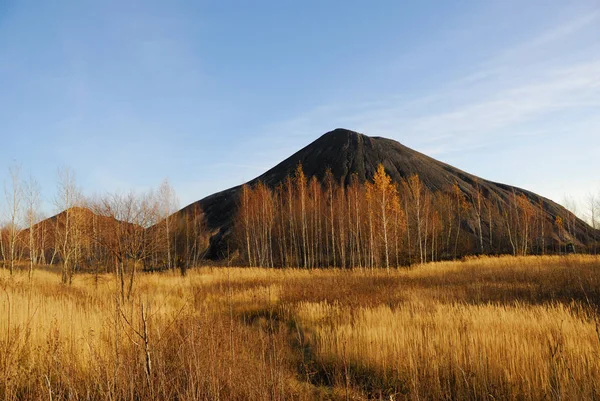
[347, 152]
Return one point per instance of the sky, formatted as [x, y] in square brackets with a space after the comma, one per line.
[211, 94]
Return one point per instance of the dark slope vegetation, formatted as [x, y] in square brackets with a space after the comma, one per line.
[346, 153]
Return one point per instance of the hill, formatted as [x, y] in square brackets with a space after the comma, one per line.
[88, 233]
[347, 153]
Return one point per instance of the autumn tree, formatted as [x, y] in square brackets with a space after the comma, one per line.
[570, 219]
[130, 216]
[192, 238]
[167, 205]
[67, 200]
[512, 222]
[244, 217]
[400, 225]
[330, 187]
[301, 188]
[32, 203]
[526, 217]
[257, 215]
[355, 195]
[386, 199]
[460, 207]
[314, 196]
[340, 208]
[592, 205]
[560, 227]
[293, 253]
[415, 196]
[14, 198]
[370, 246]
[542, 225]
[477, 203]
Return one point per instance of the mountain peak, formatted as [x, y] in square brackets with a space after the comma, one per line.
[340, 135]
[341, 131]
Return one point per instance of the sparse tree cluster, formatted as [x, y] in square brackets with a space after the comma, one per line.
[593, 217]
[119, 233]
[302, 222]
[309, 223]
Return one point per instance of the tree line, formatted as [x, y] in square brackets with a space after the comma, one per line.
[304, 222]
[119, 233]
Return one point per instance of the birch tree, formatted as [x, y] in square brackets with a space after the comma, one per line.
[14, 198]
[168, 203]
[301, 188]
[592, 204]
[414, 190]
[68, 198]
[477, 202]
[244, 213]
[330, 185]
[386, 197]
[32, 201]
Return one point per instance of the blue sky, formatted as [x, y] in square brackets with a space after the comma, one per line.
[211, 94]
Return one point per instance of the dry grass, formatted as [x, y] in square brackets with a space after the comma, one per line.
[491, 328]
[435, 351]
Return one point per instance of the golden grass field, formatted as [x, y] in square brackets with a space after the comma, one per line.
[522, 328]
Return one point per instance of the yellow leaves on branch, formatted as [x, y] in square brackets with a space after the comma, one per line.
[387, 192]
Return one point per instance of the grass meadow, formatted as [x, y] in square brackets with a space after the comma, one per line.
[523, 328]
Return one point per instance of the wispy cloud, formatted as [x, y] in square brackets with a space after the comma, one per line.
[471, 110]
[553, 91]
[541, 90]
[562, 31]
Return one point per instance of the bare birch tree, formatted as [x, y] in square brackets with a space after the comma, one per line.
[68, 199]
[592, 204]
[168, 202]
[14, 197]
[32, 202]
